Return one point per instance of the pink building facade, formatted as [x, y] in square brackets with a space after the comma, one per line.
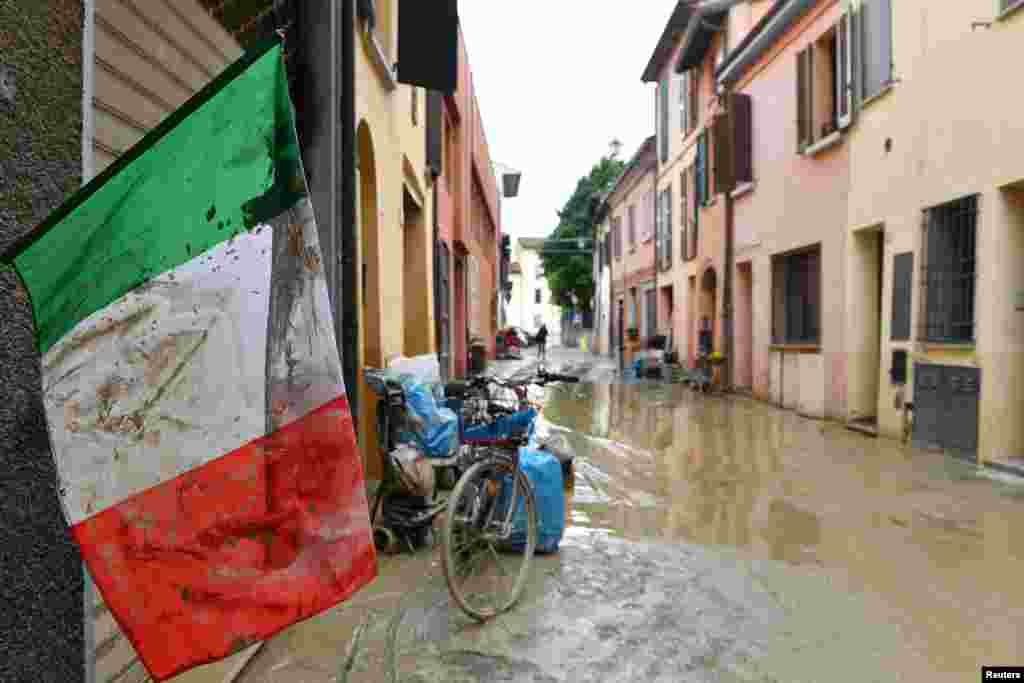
[790, 240]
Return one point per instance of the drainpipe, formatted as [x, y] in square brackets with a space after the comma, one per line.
[350, 285]
[727, 303]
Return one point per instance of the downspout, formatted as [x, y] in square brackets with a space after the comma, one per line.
[727, 303]
[349, 230]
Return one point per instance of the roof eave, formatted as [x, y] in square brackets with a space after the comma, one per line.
[779, 18]
[676, 23]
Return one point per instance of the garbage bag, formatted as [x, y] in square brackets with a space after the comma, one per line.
[433, 429]
[544, 472]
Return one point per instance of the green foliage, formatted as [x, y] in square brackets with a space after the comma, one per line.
[569, 274]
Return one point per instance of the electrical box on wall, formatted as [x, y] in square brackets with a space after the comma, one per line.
[898, 371]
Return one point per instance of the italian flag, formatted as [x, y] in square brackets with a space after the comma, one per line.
[193, 390]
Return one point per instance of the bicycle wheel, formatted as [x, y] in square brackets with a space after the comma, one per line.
[484, 578]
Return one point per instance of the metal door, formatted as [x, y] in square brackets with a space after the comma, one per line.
[946, 408]
[960, 429]
[650, 313]
[928, 405]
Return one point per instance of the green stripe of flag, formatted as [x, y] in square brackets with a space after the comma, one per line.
[225, 161]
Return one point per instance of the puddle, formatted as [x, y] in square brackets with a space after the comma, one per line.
[932, 543]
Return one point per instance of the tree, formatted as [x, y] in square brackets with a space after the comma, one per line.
[569, 274]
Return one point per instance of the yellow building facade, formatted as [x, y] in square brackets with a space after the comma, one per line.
[935, 256]
[394, 213]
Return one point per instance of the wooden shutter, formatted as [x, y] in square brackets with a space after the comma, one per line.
[435, 132]
[723, 155]
[663, 108]
[684, 96]
[876, 22]
[694, 98]
[668, 227]
[743, 137]
[684, 218]
[902, 289]
[803, 98]
[844, 69]
[701, 150]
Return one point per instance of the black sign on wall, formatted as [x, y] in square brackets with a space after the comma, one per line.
[428, 44]
[902, 290]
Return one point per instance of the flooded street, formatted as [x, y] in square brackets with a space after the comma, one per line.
[711, 539]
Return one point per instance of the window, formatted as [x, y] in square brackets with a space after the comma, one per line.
[664, 221]
[631, 306]
[875, 17]
[540, 272]
[824, 85]
[415, 105]
[536, 296]
[796, 297]
[617, 237]
[949, 240]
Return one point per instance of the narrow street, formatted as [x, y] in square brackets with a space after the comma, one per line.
[709, 539]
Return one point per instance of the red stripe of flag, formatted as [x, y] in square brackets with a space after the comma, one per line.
[200, 567]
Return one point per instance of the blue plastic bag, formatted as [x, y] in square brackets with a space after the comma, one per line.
[505, 427]
[431, 428]
[545, 475]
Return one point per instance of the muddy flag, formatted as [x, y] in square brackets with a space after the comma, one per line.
[205, 450]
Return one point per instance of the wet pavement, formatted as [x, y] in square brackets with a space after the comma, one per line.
[710, 539]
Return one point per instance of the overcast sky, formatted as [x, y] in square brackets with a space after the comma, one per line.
[556, 80]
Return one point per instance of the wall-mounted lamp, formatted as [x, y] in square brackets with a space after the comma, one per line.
[510, 183]
[980, 24]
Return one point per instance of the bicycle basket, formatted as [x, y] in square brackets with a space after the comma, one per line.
[506, 427]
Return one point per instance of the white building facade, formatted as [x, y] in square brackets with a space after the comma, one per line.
[531, 302]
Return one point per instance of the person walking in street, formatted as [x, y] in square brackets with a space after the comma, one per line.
[542, 342]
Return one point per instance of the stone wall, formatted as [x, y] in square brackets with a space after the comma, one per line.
[41, 636]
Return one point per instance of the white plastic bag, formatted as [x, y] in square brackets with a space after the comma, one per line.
[425, 369]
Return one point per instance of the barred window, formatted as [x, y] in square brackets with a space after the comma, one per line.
[949, 239]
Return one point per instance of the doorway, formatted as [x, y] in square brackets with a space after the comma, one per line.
[460, 331]
[744, 327]
[415, 293]
[442, 304]
[866, 320]
[370, 314]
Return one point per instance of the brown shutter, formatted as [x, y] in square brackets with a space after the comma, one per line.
[694, 98]
[801, 99]
[435, 131]
[684, 242]
[723, 160]
[743, 125]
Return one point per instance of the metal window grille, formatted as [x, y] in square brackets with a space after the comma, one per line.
[948, 270]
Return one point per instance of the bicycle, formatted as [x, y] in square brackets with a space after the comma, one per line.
[481, 521]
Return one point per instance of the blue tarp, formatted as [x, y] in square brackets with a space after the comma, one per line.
[431, 428]
[505, 427]
[545, 475]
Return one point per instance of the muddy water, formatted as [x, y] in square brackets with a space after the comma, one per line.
[925, 544]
